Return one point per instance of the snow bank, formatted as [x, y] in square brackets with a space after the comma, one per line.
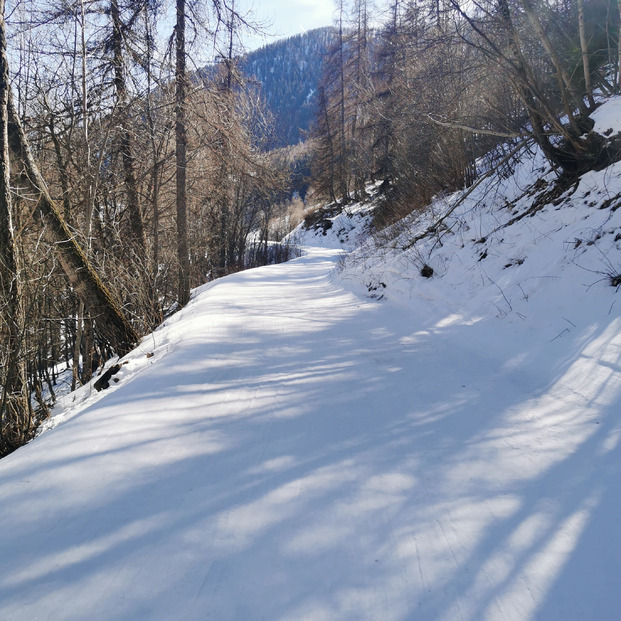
[492, 254]
[336, 226]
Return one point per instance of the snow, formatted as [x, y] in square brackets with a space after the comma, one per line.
[339, 438]
[335, 226]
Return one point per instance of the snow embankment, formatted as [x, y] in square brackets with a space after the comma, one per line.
[336, 226]
[501, 249]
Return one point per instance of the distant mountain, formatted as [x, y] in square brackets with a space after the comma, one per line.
[288, 73]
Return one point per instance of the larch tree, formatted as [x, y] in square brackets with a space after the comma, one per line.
[15, 415]
[496, 30]
[135, 227]
[181, 143]
[110, 320]
[584, 51]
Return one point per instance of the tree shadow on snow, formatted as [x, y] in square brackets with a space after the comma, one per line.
[361, 470]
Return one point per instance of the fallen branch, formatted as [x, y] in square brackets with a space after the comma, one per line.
[473, 130]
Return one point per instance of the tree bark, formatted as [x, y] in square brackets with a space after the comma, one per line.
[584, 48]
[619, 49]
[569, 156]
[563, 76]
[136, 227]
[181, 156]
[15, 418]
[77, 346]
[343, 160]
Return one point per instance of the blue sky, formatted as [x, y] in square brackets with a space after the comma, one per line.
[286, 17]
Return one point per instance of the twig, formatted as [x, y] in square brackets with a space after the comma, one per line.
[559, 335]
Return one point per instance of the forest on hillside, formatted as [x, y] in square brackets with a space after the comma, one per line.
[128, 177]
[447, 89]
[287, 74]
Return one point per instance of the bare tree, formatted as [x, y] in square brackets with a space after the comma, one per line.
[15, 416]
[499, 38]
[343, 155]
[104, 309]
[181, 141]
[136, 228]
[584, 49]
[619, 48]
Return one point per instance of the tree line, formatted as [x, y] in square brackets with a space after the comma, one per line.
[416, 104]
[127, 179]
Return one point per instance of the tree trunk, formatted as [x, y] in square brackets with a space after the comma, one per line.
[14, 405]
[77, 346]
[154, 312]
[88, 348]
[180, 150]
[343, 168]
[569, 156]
[585, 54]
[136, 228]
[61, 164]
[619, 49]
[562, 74]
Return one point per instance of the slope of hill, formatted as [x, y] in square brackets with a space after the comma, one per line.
[441, 443]
[506, 243]
[289, 72]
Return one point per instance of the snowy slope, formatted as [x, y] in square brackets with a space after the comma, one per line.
[298, 448]
[336, 226]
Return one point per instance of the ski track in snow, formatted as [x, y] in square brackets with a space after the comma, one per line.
[293, 451]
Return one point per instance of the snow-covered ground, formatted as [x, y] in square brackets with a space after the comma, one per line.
[345, 439]
[336, 227]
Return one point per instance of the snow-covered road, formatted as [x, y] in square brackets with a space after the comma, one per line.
[292, 451]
